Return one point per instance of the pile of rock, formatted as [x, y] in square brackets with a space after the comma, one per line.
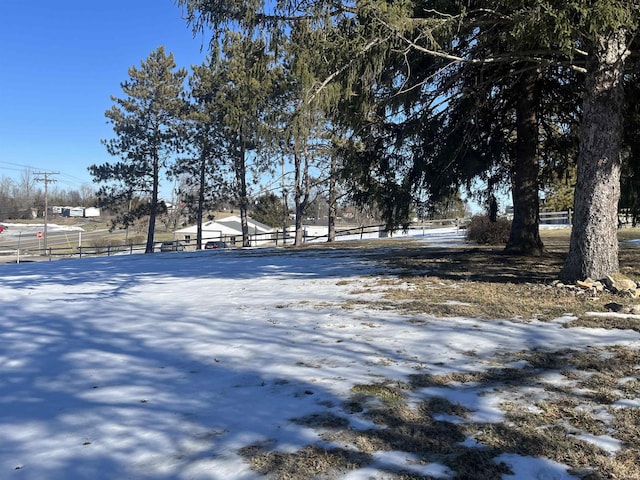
[617, 283]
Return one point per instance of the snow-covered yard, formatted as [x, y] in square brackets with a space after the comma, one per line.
[167, 366]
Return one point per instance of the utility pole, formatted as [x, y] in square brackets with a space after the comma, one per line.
[44, 177]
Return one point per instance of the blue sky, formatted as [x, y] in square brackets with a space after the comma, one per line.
[60, 62]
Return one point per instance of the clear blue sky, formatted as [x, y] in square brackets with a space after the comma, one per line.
[60, 62]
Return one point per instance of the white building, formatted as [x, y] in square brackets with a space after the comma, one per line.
[228, 229]
[92, 212]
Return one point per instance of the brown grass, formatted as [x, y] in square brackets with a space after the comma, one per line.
[484, 282]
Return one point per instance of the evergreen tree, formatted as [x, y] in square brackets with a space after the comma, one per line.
[203, 169]
[559, 191]
[247, 77]
[268, 210]
[144, 123]
[606, 28]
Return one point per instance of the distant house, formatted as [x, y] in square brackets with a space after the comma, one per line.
[228, 229]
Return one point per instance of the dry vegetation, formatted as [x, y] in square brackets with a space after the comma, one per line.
[553, 420]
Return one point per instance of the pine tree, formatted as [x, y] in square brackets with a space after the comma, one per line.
[247, 80]
[205, 164]
[593, 250]
[145, 138]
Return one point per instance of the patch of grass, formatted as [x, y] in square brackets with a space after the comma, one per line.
[383, 392]
[322, 420]
[490, 300]
[492, 376]
[610, 323]
[309, 462]
[439, 405]
[474, 464]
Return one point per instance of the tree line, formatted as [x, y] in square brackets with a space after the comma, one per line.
[20, 198]
[398, 103]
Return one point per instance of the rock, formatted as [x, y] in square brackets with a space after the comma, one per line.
[619, 308]
[614, 307]
[587, 285]
[619, 283]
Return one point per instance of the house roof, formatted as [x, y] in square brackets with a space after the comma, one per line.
[227, 226]
[234, 222]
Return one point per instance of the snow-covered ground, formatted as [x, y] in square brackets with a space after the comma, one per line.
[162, 367]
[13, 229]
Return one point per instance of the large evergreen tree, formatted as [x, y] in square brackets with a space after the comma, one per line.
[247, 81]
[205, 164]
[144, 124]
[593, 250]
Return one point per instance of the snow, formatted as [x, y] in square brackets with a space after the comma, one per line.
[163, 366]
[528, 468]
[605, 442]
[16, 229]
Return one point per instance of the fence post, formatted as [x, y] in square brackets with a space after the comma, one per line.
[79, 251]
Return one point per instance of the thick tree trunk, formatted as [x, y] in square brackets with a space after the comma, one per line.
[525, 229]
[593, 250]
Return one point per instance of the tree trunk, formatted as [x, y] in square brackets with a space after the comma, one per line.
[331, 217]
[241, 177]
[153, 207]
[201, 186]
[298, 198]
[593, 250]
[525, 229]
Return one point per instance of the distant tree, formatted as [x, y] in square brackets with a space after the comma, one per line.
[8, 207]
[144, 123]
[268, 210]
[559, 192]
[87, 194]
[74, 197]
[24, 189]
[449, 205]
